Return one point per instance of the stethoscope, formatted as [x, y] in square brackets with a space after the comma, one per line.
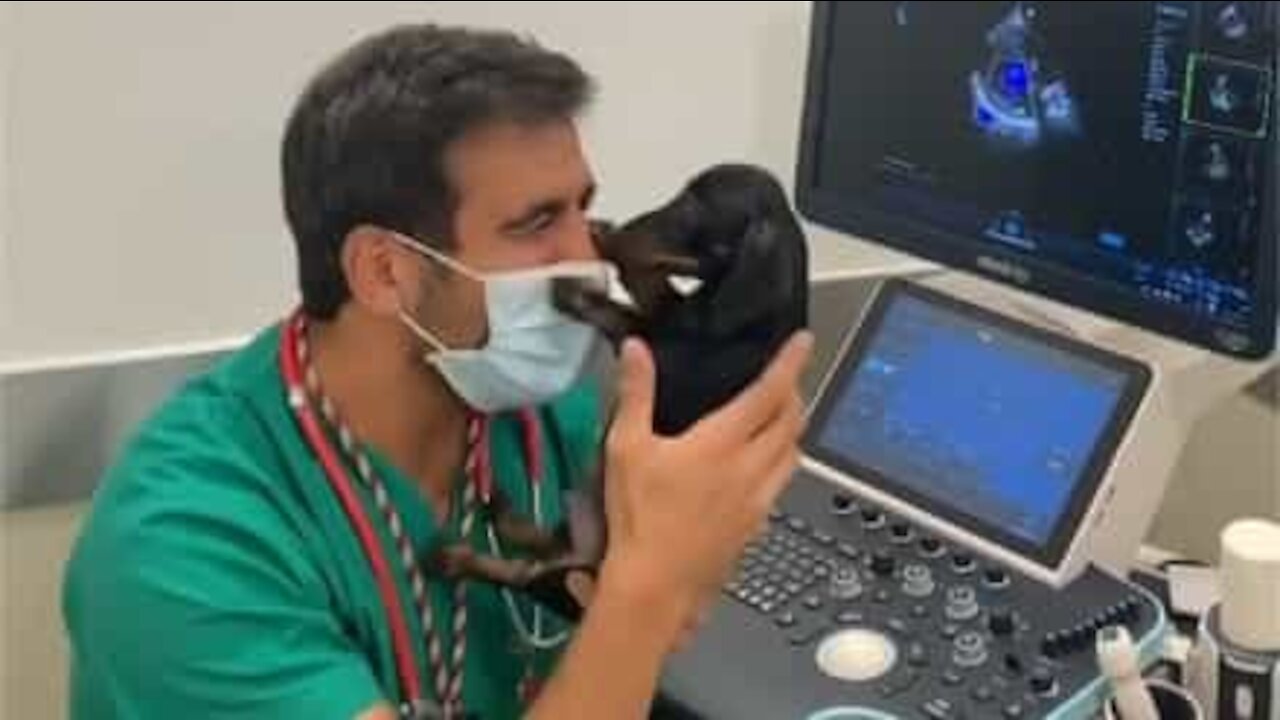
[345, 490]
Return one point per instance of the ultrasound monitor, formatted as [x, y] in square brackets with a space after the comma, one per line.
[1000, 429]
[1116, 156]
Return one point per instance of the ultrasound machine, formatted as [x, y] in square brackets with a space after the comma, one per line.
[991, 443]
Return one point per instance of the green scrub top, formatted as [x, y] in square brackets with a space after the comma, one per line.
[217, 576]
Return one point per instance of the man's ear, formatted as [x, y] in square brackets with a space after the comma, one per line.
[377, 270]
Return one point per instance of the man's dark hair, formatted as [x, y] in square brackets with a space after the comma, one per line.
[367, 139]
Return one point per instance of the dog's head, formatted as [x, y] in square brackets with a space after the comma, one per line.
[731, 229]
[731, 232]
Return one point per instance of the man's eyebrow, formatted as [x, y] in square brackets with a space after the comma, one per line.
[552, 206]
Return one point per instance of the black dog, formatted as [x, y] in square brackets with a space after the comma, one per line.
[732, 231]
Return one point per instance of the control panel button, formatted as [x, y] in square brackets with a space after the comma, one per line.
[822, 538]
[843, 504]
[982, 693]
[962, 603]
[785, 620]
[1043, 683]
[813, 602]
[1132, 609]
[882, 563]
[803, 635]
[1052, 645]
[872, 518]
[1014, 711]
[951, 678]
[940, 709]
[850, 617]
[917, 581]
[995, 578]
[900, 533]
[969, 650]
[917, 655]
[900, 684]
[1001, 622]
[856, 655]
[1013, 664]
[1113, 614]
[899, 627]
[850, 552]
[963, 563]
[1082, 636]
[845, 584]
[931, 547]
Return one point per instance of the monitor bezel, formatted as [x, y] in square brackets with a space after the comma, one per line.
[1138, 379]
[1026, 272]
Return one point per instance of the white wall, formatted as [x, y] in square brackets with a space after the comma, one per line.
[144, 199]
[6, 284]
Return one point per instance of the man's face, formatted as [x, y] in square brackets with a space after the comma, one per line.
[523, 194]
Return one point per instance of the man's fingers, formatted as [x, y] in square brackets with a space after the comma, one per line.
[782, 464]
[636, 379]
[776, 478]
[777, 439]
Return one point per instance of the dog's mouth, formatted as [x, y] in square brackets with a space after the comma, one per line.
[649, 276]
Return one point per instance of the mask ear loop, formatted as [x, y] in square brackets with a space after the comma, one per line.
[433, 254]
[430, 253]
[423, 334]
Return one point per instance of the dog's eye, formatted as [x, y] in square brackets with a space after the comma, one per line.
[685, 285]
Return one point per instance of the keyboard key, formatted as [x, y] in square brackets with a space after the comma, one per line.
[939, 709]
[850, 617]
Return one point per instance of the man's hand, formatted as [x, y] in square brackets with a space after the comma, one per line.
[681, 509]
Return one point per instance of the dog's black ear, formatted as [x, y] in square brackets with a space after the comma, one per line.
[766, 281]
[747, 222]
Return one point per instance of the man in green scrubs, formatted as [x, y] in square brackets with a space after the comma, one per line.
[431, 175]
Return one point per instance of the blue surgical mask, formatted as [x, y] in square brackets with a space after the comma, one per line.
[534, 352]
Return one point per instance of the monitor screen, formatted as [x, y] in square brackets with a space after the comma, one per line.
[997, 427]
[1117, 156]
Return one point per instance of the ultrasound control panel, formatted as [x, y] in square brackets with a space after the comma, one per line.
[842, 610]
[927, 561]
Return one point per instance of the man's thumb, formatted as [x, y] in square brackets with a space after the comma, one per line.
[635, 386]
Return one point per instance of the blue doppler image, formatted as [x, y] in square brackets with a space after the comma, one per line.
[973, 418]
